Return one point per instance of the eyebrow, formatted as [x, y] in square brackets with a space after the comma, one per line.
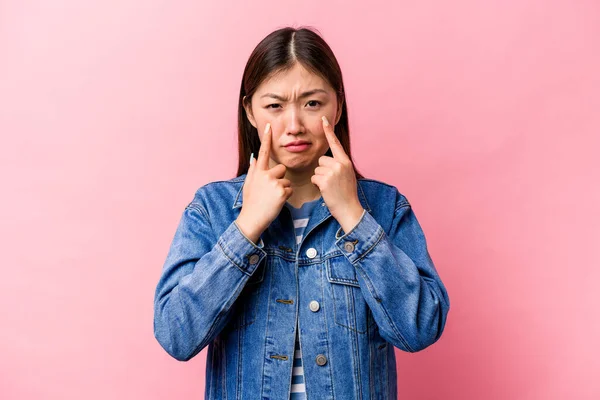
[305, 94]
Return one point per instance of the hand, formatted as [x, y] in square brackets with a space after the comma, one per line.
[265, 191]
[337, 182]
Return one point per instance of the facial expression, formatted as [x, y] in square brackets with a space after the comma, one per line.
[293, 102]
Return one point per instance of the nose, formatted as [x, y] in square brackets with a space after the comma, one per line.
[294, 124]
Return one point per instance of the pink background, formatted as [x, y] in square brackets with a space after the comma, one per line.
[485, 114]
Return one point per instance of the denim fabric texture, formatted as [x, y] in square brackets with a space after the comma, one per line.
[353, 295]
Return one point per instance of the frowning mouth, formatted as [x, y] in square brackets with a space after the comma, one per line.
[297, 143]
[298, 146]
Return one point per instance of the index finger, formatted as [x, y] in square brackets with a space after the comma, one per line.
[337, 150]
[264, 152]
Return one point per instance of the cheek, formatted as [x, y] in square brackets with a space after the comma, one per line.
[276, 130]
[261, 117]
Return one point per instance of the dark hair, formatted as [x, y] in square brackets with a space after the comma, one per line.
[278, 52]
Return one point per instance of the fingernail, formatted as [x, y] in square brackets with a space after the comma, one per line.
[267, 127]
[251, 158]
[324, 118]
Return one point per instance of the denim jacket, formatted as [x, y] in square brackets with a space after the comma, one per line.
[355, 295]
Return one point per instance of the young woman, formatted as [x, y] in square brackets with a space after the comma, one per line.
[299, 274]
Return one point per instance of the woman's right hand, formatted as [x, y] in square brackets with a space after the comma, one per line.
[265, 192]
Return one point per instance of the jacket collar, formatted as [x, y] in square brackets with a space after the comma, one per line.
[242, 178]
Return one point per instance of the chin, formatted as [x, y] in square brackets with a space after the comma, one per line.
[299, 163]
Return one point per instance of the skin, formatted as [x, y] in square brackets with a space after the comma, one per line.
[293, 117]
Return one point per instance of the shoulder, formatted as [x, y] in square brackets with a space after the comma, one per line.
[223, 191]
[378, 192]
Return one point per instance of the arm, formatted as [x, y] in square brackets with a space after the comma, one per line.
[200, 281]
[398, 279]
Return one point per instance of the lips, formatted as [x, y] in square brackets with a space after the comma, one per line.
[297, 143]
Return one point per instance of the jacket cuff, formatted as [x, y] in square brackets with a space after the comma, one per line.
[361, 239]
[240, 250]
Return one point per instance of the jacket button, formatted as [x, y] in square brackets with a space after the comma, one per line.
[349, 247]
[314, 306]
[321, 359]
[253, 258]
[311, 253]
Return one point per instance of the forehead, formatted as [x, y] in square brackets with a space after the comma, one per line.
[296, 79]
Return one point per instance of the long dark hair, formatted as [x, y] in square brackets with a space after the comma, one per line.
[277, 52]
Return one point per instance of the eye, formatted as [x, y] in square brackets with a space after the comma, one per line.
[269, 106]
[315, 101]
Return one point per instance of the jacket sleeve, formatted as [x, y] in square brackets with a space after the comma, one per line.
[397, 278]
[201, 278]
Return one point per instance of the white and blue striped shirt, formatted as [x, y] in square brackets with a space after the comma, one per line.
[300, 216]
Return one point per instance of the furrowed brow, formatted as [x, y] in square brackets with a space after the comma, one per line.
[303, 95]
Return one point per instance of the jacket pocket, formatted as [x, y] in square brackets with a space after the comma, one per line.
[246, 305]
[350, 309]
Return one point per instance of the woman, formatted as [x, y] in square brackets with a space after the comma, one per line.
[299, 272]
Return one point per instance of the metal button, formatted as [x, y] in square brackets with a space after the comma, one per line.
[349, 247]
[321, 359]
[253, 258]
[314, 306]
[311, 253]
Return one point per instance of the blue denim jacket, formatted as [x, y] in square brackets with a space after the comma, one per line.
[352, 294]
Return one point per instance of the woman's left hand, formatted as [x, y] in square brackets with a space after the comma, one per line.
[337, 182]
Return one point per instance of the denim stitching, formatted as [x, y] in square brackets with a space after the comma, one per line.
[327, 334]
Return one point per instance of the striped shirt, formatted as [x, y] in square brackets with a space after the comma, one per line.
[300, 216]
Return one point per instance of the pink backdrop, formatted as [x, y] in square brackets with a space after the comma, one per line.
[485, 114]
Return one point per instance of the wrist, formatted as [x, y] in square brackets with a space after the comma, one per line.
[350, 218]
[248, 229]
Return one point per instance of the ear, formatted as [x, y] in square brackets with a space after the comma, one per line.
[248, 108]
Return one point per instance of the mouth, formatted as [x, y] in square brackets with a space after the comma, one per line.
[297, 146]
[297, 143]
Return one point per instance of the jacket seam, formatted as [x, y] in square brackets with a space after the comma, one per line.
[327, 332]
[401, 206]
[198, 208]
[195, 206]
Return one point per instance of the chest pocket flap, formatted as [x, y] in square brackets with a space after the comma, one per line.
[340, 270]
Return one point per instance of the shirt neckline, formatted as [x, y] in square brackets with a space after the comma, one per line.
[304, 205]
